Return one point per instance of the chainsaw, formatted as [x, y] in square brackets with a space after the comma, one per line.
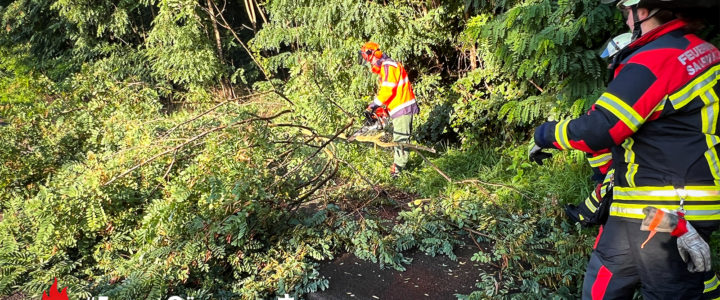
[375, 120]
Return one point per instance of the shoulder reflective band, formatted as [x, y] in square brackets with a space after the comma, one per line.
[696, 87]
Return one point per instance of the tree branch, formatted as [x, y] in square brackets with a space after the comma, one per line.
[498, 185]
[300, 165]
[375, 139]
[536, 86]
[212, 109]
[197, 137]
[318, 186]
[435, 167]
[316, 178]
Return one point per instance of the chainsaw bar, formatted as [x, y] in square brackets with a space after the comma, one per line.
[364, 131]
[375, 120]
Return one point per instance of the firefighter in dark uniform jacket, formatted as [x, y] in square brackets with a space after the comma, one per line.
[659, 119]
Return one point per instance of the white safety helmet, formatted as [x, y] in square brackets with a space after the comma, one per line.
[633, 5]
[616, 44]
[667, 4]
[627, 3]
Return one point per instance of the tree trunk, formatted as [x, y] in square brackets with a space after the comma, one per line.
[218, 42]
[224, 82]
[473, 57]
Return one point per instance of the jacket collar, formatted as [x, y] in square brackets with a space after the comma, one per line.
[658, 32]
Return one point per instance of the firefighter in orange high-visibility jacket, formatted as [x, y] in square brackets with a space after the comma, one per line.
[396, 94]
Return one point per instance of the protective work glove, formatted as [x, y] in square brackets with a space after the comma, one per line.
[574, 214]
[537, 155]
[372, 107]
[693, 249]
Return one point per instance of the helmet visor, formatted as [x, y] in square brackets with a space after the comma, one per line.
[365, 55]
[616, 44]
[360, 59]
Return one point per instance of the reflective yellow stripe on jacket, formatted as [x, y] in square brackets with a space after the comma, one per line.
[599, 160]
[711, 284]
[592, 202]
[701, 203]
[395, 90]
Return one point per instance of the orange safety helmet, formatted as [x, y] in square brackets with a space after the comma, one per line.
[369, 51]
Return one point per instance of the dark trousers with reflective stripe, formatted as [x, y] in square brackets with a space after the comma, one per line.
[618, 266]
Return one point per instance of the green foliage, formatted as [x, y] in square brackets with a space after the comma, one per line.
[551, 48]
[532, 251]
[169, 40]
[178, 48]
[123, 239]
[316, 43]
[128, 171]
[33, 23]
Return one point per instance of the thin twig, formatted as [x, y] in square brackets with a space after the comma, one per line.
[474, 241]
[281, 94]
[294, 143]
[171, 165]
[311, 181]
[195, 117]
[374, 186]
[473, 180]
[299, 145]
[311, 130]
[262, 69]
[498, 185]
[262, 15]
[317, 84]
[212, 109]
[226, 25]
[318, 186]
[435, 167]
[536, 86]
[284, 157]
[470, 230]
[199, 136]
[166, 172]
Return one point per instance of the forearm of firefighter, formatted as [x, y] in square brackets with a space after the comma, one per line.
[631, 99]
[587, 133]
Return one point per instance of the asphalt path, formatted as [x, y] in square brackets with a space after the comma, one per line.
[426, 277]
